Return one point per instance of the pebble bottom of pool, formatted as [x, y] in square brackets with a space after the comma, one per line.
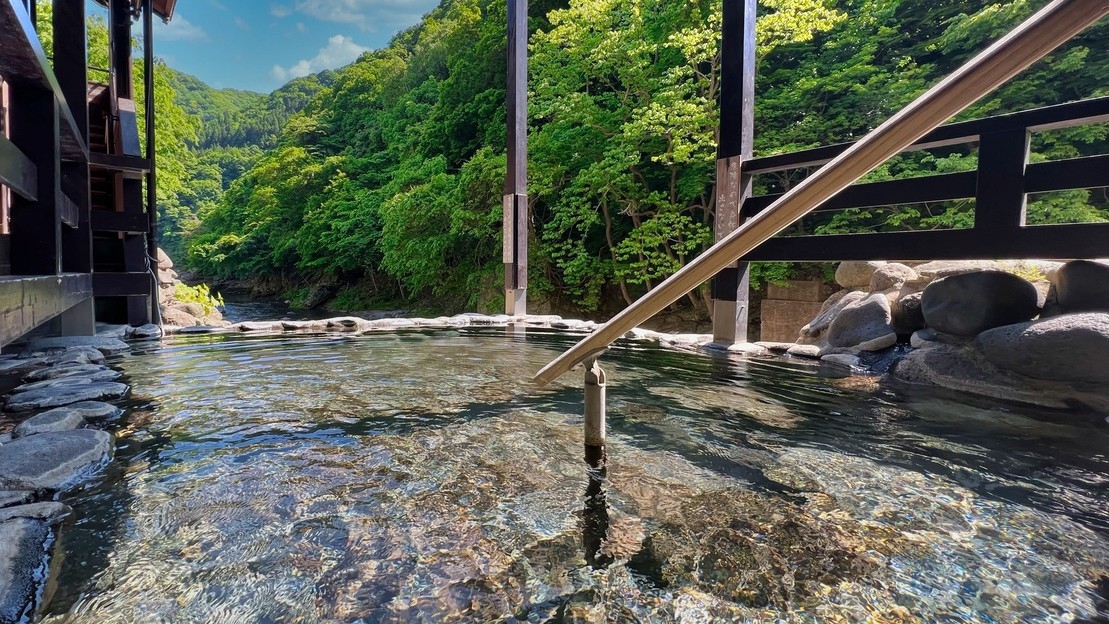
[422, 477]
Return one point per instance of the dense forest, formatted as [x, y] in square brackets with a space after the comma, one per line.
[386, 180]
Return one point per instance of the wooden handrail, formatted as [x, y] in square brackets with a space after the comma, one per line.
[1027, 43]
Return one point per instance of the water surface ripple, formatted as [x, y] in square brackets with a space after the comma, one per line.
[420, 477]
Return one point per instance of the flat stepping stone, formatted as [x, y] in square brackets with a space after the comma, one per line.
[147, 332]
[69, 370]
[53, 461]
[10, 365]
[52, 346]
[63, 382]
[54, 420]
[22, 560]
[45, 398]
[89, 410]
[50, 512]
[15, 497]
[76, 355]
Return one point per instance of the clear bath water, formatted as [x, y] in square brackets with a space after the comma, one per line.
[421, 477]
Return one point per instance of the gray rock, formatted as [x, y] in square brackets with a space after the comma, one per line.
[806, 351]
[855, 273]
[776, 347]
[318, 296]
[818, 327]
[180, 318]
[842, 359]
[76, 355]
[879, 343]
[15, 497]
[71, 370]
[147, 332]
[22, 566]
[53, 420]
[7, 366]
[1071, 348]
[52, 346]
[924, 338]
[90, 410]
[53, 461]
[112, 331]
[861, 321]
[57, 397]
[65, 382]
[303, 325]
[348, 322]
[938, 269]
[253, 326]
[164, 261]
[970, 303]
[890, 276]
[1082, 286]
[203, 329]
[907, 315]
[50, 512]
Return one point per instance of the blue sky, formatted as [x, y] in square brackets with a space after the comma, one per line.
[262, 44]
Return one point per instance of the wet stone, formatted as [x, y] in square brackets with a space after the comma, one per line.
[90, 410]
[69, 380]
[76, 355]
[73, 370]
[53, 420]
[22, 564]
[53, 461]
[971, 303]
[147, 332]
[203, 329]
[52, 346]
[45, 398]
[15, 497]
[50, 512]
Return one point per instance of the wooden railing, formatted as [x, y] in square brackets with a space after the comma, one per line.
[1036, 37]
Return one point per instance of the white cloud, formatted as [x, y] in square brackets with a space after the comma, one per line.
[242, 24]
[280, 10]
[366, 14]
[180, 29]
[340, 50]
[301, 27]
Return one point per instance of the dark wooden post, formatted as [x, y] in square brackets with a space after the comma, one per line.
[134, 245]
[71, 68]
[515, 250]
[1000, 200]
[36, 225]
[151, 177]
[730, 287]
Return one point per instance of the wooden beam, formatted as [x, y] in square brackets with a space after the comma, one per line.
[68, 211]
[36, 225]
[1079, 113]
[28, 302]
[999, 204]
[71, 61]
[112, 221]
[1064, 175]
[515, 200]
[1087, 240]
[17, 171]
[121, 284]
[24, 65]
[731, 286]
[934, 188]
[131, 166]
[1048, 28]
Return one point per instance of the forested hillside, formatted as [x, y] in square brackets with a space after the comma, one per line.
[389, 181]
[233, 129]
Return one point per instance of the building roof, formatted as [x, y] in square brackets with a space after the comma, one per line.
[162, 8]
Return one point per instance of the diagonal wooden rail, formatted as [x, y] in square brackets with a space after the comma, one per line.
[1027, 43]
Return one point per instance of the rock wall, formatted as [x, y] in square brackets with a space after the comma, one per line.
[177, 313]
[1033, 331]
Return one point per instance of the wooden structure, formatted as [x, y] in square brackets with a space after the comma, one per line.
[515, 247]
[78, 234]
[1000, 185]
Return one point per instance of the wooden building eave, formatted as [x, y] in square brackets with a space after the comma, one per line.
[23, 63]
[162, 8]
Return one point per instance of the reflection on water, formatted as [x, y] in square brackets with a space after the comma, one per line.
[422, 478]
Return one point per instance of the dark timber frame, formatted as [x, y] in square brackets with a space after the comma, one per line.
[515, 247]
[64, 242]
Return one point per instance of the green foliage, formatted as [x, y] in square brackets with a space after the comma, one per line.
[390, 175]
[200, 294]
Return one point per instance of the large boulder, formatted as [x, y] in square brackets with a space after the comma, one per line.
[861, 321]
[164, 261]
[970, 303]
[180, 318]
[1082, 286]
[817, 328]
[53, 461]
[939, 269]
[1071, 348]
[907, 315]
[856, 273]
[52, 420]
[891, 276]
